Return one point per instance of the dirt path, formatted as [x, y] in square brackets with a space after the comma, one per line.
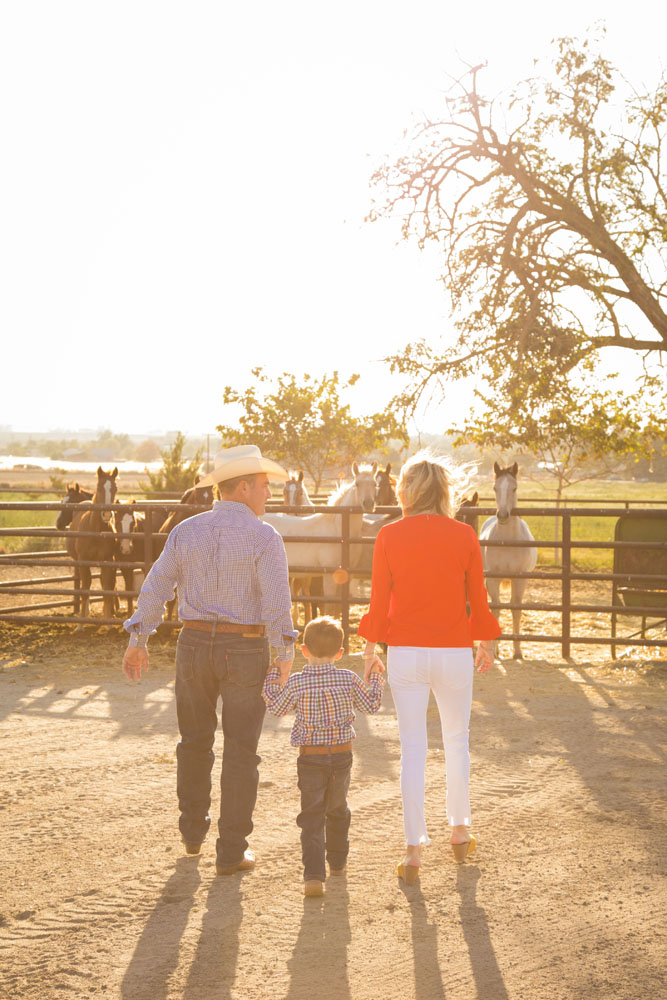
[564, 898]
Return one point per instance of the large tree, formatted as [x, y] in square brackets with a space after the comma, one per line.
[550, 208]
[302, 423]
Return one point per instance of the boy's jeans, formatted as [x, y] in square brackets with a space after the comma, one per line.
[324, 780]
[207, 668]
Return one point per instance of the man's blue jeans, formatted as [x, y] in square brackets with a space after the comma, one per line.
[209, 667]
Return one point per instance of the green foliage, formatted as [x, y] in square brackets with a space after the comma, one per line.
[303, 424]
[551, 214]
[177, 473]
[576, 432]
[58, 483]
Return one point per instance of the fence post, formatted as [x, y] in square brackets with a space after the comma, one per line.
[345, 595]
[566, 599]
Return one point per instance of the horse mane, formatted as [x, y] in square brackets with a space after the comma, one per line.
[343, 487]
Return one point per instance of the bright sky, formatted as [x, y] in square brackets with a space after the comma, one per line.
[183, 190]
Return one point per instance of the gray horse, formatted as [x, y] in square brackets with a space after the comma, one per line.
[506, 559]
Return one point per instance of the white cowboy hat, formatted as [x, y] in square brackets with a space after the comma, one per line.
[245, 460]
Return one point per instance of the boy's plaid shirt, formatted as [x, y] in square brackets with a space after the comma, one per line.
[324, 697]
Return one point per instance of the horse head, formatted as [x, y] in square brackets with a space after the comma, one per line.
[203, 495]
[105, 491]
[126, 523]
[74, 495]
[365, 486]
[385, 488]
[295, 493]
[466, 509]
[505, 488]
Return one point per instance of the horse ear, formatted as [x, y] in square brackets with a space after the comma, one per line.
[115, 472]
[388, 468]
[496, 469]
[514, 469]
[355, 468]
[197, 478]
[300, 479]
[374, 468]
[100, 471]
[475, 499]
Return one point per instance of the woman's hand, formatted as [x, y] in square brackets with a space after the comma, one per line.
[372, 665]
[485, 655]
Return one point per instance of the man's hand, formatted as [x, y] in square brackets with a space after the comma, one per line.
[485, 655]
[134, 661]
[285, 667]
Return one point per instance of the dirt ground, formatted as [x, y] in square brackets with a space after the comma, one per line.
[564, 898]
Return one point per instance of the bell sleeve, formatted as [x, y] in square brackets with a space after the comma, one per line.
[374, 625]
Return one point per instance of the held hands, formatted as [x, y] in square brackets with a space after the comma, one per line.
[134, 661]
[372, 665]
[485, 655]
[285, 667]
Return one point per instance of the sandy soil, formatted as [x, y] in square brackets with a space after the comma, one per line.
[564, 898]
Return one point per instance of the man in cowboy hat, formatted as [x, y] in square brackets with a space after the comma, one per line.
[230, 569]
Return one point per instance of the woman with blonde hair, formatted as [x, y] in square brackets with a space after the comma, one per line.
[427, 571]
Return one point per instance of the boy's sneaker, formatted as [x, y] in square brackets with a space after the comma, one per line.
[338, 871]
[313, 887]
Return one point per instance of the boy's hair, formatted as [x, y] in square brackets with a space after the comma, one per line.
[323, 636]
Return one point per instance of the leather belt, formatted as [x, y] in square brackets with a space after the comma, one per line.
[334, 748]
[249, 631]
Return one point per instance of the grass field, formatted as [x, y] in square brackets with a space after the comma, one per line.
[28, 519]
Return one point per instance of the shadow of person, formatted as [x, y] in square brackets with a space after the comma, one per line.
[428, 978]
[319, 959]
[214, 966]
[156, 955]
[485, 969]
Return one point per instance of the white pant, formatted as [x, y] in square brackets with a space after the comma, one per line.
[413, 672]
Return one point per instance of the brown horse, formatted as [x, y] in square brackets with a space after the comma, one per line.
[129, 549]
[202, 496]
[74, 495]
[94, 548]
[466, 513]
[385, 488]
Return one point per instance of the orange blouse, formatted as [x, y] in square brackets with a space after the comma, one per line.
[425, 567]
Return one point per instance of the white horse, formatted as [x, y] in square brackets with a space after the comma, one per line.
[327, 554]
[295, 494]
[506, 559]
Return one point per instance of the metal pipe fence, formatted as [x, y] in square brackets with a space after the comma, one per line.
[567, 573]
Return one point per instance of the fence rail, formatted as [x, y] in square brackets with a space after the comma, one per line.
[566, 573]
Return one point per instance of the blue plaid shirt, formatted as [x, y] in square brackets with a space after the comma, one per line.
[324, 698]
[228, 565]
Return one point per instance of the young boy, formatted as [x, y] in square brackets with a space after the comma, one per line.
[324, 697]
